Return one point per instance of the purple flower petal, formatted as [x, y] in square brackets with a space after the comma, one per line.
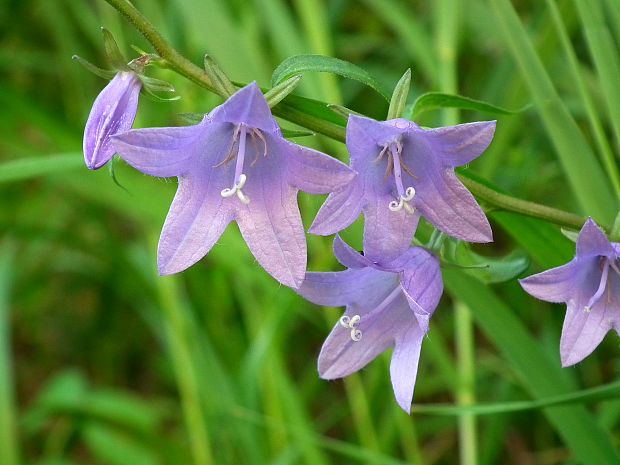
[387, 234]
[555, 285]
[271, 223]
[592, 241]
[445, 202]
[404, 365]
[247, 106]
[313, 171]
[583, 331]
[460, 144]
[167, 152]
[339, 210]
[114, 111]
[197, 218]
[355, 287]
[341, 356]
[348, 256]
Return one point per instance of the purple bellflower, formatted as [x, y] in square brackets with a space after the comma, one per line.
[388, 304]
[234, 165]
[113, 112]
[590, 286]
[404, 172]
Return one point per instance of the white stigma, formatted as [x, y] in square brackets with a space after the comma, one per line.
[403, 201]
[351, 323]
[236, 189]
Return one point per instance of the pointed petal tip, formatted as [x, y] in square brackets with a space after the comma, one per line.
[405, 405]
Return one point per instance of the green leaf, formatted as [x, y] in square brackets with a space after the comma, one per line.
[541, 376]
[114, 448]
[292, 133]
[437, 100]
[490, 269]
[321, 64]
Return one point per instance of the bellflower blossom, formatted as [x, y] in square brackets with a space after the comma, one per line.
[406, 171]
[113, 112]
[590, 286]
[387, 304]
[234, 165]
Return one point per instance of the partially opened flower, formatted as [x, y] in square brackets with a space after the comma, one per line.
[113, 112]
[234, 165]
[388, 304]
[590, 286]
[406, 171]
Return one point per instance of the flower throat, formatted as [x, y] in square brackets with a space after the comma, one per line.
[605, 263]
[239, 140]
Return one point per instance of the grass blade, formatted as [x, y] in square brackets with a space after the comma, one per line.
[584, 174]
[8, 420]
[539, 375]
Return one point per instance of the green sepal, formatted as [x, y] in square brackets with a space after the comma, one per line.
[112, 172]
[342, 111]
[192, 118]
[149, 93]
[293, 133]
[113, 54]
[156, 85]
[399, 96]
[102, 73]
[570, 234]
[218, 78]
[277, 93]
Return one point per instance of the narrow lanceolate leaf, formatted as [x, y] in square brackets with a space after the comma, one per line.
[437, 100]
[27, 168]
[540, 375]
[293, 133]
[489, 269]
[277, 93]
[219, 79]
[323, 64]
[8, 421]
[596, 394]
[399, 97]
[584, 174]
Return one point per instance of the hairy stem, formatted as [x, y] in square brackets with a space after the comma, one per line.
[292, 113]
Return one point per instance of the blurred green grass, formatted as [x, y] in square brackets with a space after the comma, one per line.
[108, 359]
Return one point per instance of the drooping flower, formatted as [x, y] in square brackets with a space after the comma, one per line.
[388, 304]
[234, 165]
[406, 171]
[590, 286]
[113, 112]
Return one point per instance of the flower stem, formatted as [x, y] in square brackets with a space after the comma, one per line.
[524, 207]
[294, 114]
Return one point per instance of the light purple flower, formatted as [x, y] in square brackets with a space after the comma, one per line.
[387, 304]
[234, 165]
[590, 286]
[113, 112]
[406, 171]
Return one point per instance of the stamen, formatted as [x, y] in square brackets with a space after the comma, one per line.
[601, 287]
